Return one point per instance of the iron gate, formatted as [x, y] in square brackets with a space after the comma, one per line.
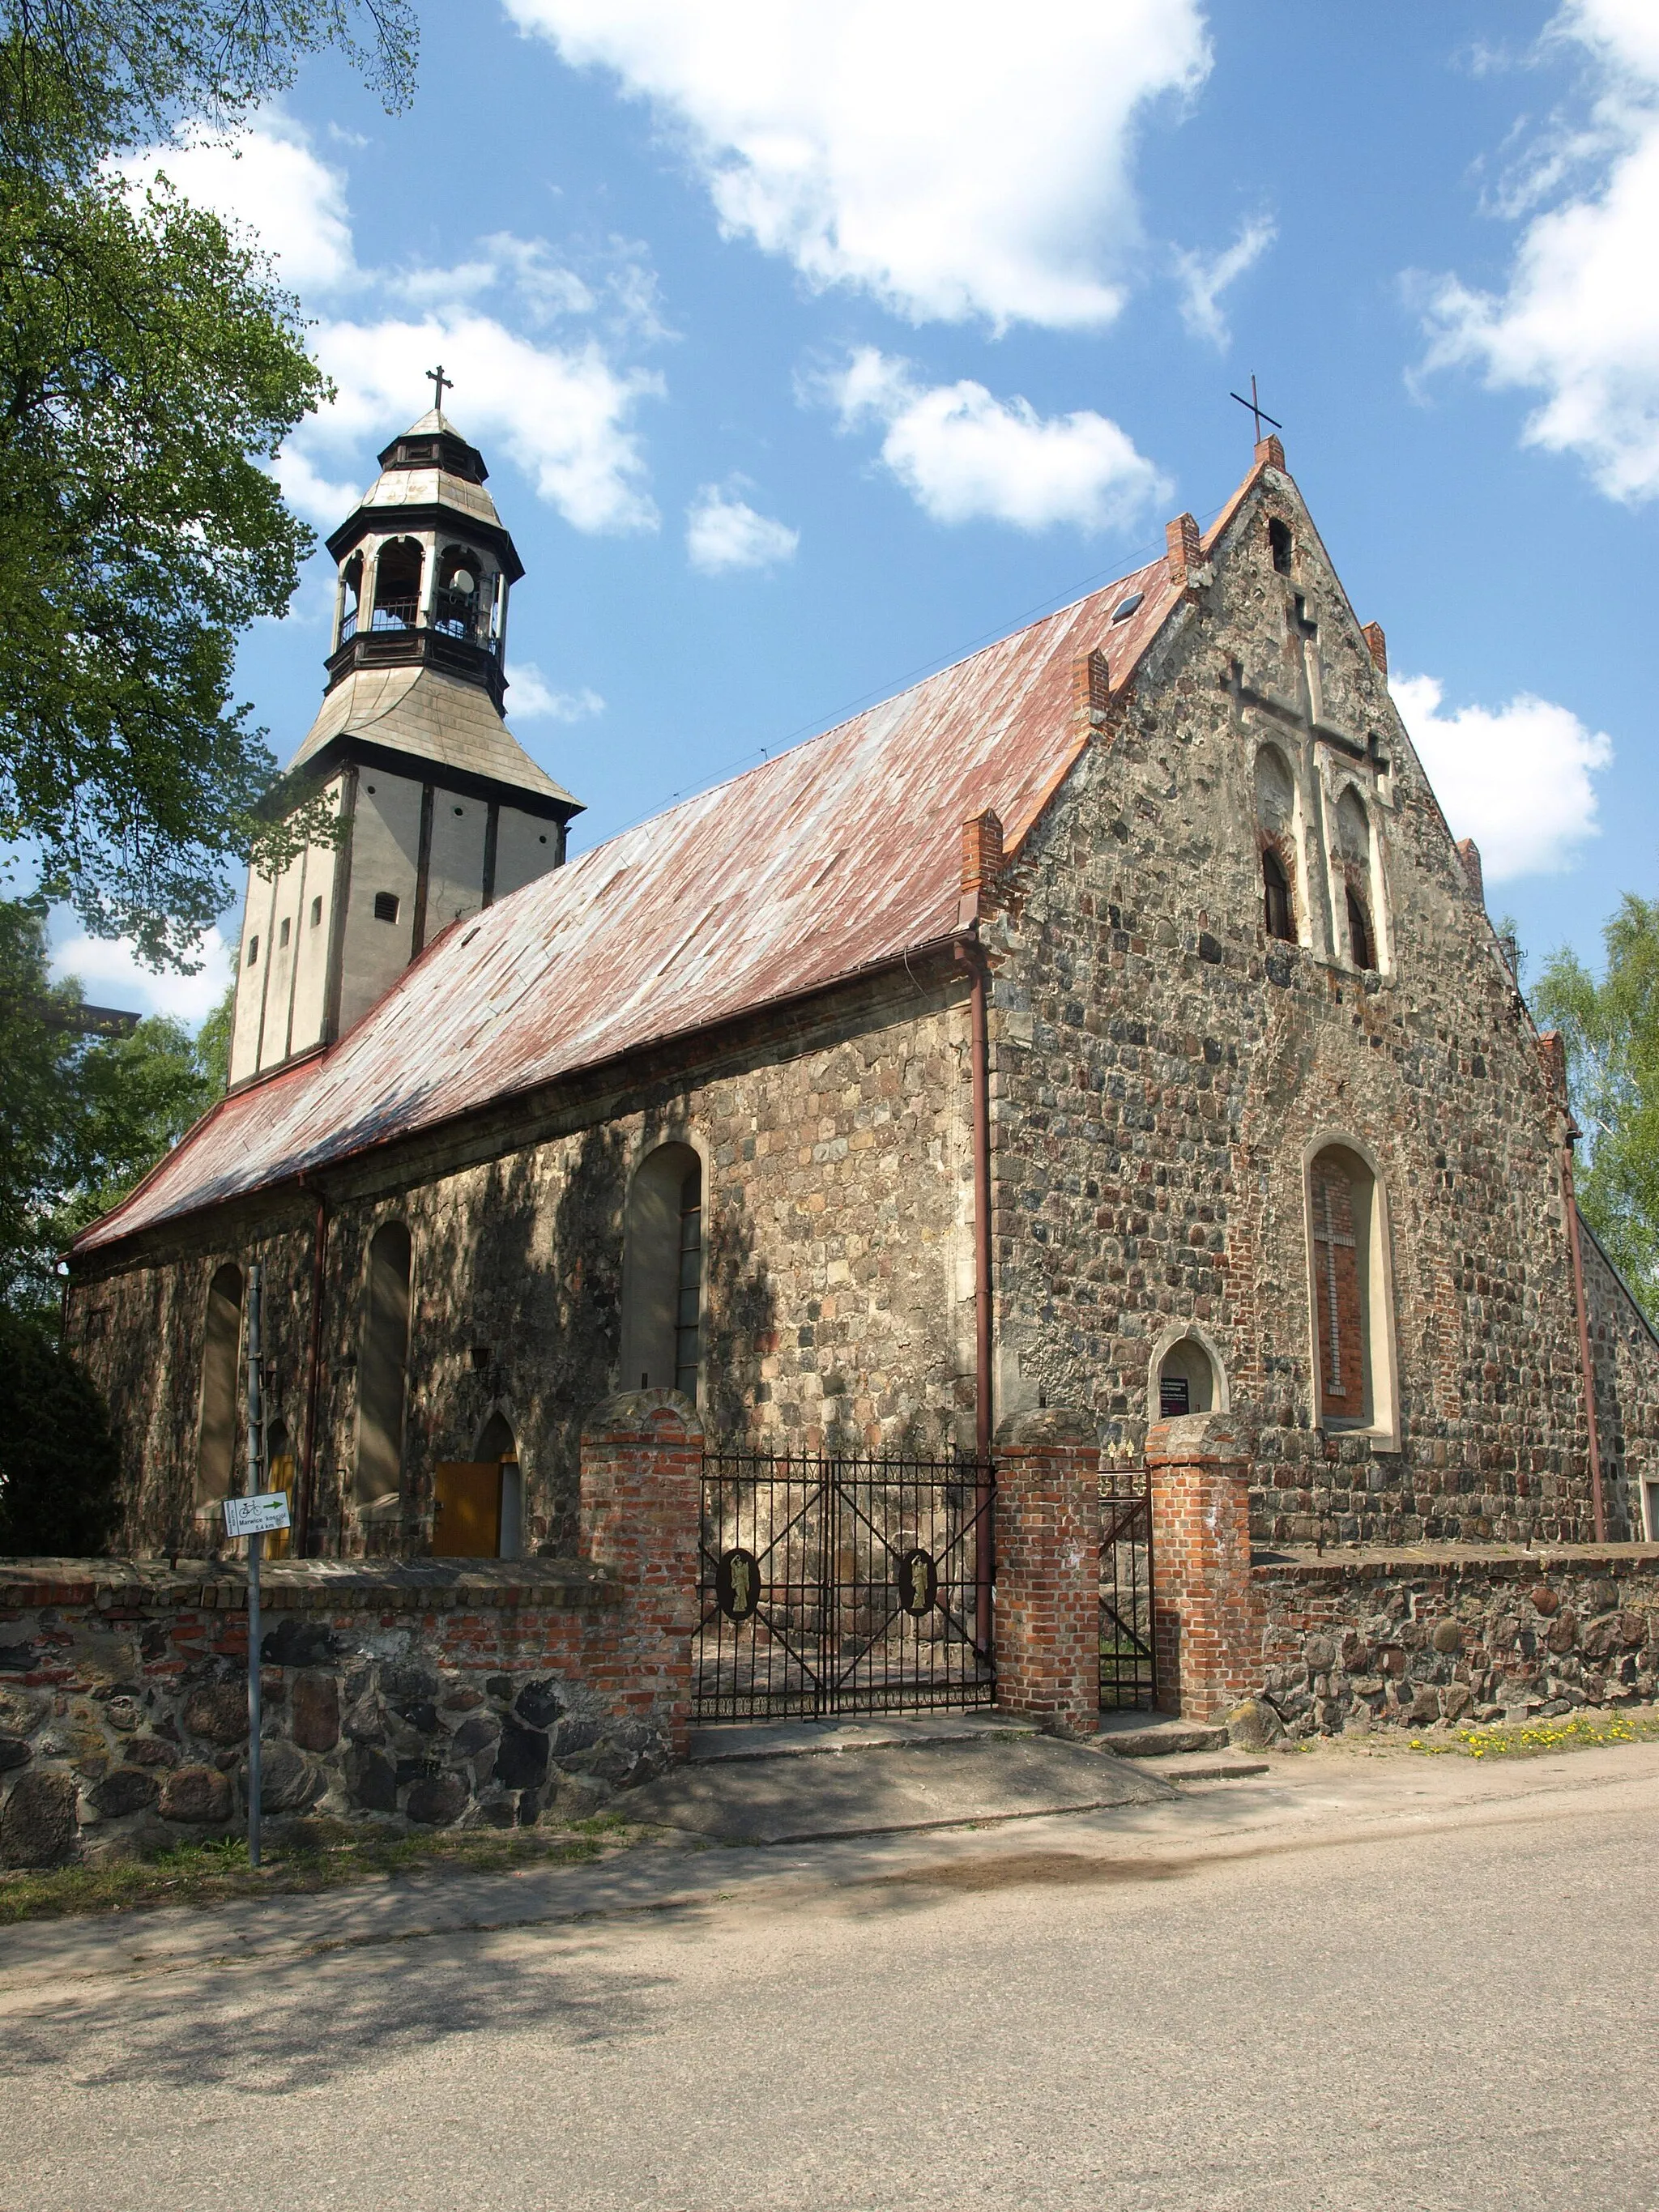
[1129, 1670]
[845, 1585]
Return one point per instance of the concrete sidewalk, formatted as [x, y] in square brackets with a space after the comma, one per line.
[800, 1792]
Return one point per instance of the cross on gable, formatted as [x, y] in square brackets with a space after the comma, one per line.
[435, 376]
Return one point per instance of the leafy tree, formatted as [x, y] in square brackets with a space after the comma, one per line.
[80, 1118]
[58, 1465]
[149, 370]
[1611, 1032]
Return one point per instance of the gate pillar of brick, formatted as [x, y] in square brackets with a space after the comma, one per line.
[1048, 1580]
[641, 1501]
[1204, 1616]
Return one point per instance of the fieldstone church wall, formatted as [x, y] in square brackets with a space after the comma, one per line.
[837, 1276]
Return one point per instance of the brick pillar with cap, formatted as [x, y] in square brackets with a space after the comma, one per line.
[1048, 1582]
[1204, 1613]
[642, 1500]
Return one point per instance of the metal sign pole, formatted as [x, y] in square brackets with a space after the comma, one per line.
[256, 1545]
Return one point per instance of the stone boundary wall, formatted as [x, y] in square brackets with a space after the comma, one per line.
[434, 1694]
[1350, 1641]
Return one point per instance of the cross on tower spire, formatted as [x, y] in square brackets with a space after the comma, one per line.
[436, 377]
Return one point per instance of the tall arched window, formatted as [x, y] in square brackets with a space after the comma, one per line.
[221, 1344]
[382, 1368]
[1275, 819]
[1354, 861]
[1349, 1282]
[662, 1273]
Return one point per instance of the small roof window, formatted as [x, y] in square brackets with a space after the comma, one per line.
[1125, 608]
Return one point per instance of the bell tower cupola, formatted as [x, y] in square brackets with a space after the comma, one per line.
[439, 810]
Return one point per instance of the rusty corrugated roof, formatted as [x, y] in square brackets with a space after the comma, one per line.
[830, 860]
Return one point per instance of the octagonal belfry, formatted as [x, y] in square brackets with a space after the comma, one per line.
[442, 809]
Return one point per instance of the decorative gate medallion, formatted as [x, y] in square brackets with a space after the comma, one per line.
[843, 1585]
[918, 1584]
[1128, 1671]
[737, 1583]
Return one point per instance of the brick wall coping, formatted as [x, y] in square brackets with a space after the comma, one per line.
[309, 1585]
[1378, 1563]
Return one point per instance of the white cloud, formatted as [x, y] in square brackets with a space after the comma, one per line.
[533, 696]
[965, 455]
[267, 179]
[564, 413]
[109, 973]
[1206, 277]
[949, 157]
[1579, 320]
[723, 532]
[1517, 780]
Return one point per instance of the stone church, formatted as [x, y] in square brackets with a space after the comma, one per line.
[1110, 1021]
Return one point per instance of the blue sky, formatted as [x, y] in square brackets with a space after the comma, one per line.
[810, 347]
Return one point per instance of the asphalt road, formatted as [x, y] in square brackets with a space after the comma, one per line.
[1370, 1987]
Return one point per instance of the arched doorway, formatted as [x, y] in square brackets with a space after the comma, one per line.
[479, 1504]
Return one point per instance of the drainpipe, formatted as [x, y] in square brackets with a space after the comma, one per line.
[982, 863]
[318, 1256]
[970, 955]
[1598, 1503]
[1553, 1052]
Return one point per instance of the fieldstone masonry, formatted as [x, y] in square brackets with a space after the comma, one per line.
[1356, 1640]
[416, 1694]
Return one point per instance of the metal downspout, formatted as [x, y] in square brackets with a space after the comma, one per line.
[307, 1466]
[1598, 1503]
[971, 955]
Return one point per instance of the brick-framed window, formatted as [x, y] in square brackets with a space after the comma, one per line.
[1350, 1292]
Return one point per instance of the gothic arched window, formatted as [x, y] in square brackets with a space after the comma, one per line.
[662, 1273]
[1352, 1334]
[1355, 863]
[382, 1367]
[221, 1342]
[1276, 829]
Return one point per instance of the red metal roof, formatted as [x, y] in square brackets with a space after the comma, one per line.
[834, 858]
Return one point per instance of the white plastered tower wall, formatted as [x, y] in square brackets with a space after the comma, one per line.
[438, 809]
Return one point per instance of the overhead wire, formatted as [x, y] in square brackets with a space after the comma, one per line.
[1137, 557]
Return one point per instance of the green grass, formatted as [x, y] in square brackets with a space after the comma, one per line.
[1582, 1732]
[324, 1854]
